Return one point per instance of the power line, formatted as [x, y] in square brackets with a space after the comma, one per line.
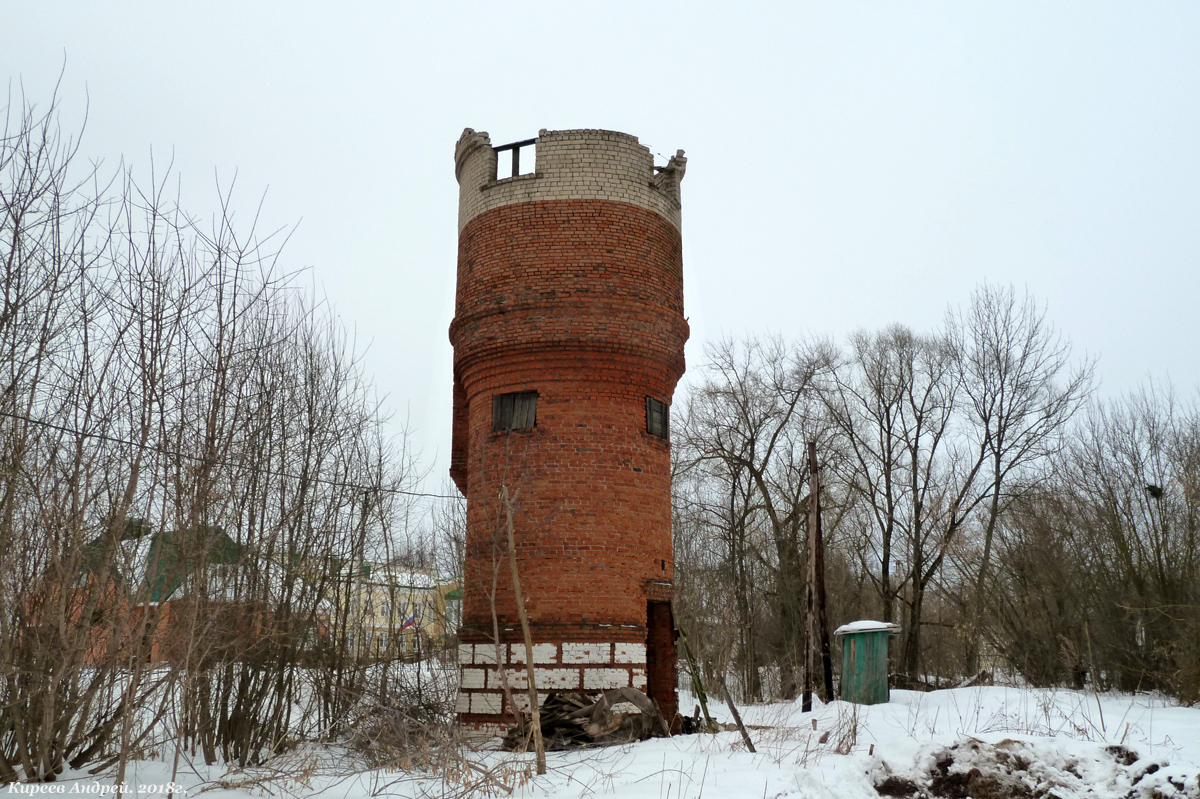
[197, 458]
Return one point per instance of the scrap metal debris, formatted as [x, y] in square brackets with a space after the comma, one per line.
[572, 720]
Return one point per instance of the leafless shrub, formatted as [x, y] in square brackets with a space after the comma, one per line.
[193, 477]
[403, 734]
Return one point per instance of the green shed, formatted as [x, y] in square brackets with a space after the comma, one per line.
[865, 660]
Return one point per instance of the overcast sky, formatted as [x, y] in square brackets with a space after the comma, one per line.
[849, 164]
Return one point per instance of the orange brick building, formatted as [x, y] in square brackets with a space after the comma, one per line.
[568, 343]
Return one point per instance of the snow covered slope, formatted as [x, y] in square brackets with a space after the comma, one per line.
[980, 742]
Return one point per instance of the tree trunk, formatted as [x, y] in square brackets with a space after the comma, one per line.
[976, 618]
[751, 684]
[535, 713]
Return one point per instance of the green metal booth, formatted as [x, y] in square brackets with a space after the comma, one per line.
[865, 660]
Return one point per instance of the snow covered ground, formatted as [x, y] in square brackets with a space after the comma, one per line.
[979, 742]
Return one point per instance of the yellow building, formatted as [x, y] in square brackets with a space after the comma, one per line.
[403, 612]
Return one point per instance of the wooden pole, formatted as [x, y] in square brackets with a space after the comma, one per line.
[822, 616]
[737, 717]
[697, 682]
[535, 713]
[810, 635]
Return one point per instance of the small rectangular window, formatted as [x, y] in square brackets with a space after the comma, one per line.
[658, 418]
[517, 411]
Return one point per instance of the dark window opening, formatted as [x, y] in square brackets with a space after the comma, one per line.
[507, 154]
[658, 418]
[516, 411]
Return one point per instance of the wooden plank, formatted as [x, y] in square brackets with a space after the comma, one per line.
[658, 418]
[525, 410]
[697, 682]
[501, 412]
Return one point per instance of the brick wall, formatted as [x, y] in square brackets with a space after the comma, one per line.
[569, 284]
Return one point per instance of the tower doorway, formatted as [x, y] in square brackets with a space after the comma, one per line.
[661, 675]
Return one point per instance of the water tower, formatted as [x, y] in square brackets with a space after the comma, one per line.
[568, 342]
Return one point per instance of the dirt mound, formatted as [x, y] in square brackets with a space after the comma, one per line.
[1011, 769]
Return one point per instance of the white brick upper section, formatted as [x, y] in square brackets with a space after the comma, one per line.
[570, 165]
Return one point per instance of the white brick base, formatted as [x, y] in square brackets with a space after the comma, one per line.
[572, 666]
[477, 654]
[542, 653]
[604, 679]
[472, 678]
[548, 679]
[521, 700]
[588, 653]
[629, 653]
[486, 703]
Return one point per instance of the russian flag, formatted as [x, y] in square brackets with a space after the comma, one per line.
[409, 622]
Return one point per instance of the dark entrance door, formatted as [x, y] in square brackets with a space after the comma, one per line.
[661, 676]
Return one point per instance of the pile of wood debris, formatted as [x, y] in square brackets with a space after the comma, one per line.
[571, 720]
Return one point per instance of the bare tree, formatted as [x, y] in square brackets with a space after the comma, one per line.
[944, 431]
[894, 403]
[746, 430]
[1018, 392]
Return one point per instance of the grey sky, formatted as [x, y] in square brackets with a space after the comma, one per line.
[850, 164]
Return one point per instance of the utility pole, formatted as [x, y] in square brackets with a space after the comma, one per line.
[822, 617]
[817, 622]
[810, 579]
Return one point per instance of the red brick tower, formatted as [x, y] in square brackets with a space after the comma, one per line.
[568, 342]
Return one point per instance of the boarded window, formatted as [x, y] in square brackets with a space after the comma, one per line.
[658, 418]
[517, 411]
